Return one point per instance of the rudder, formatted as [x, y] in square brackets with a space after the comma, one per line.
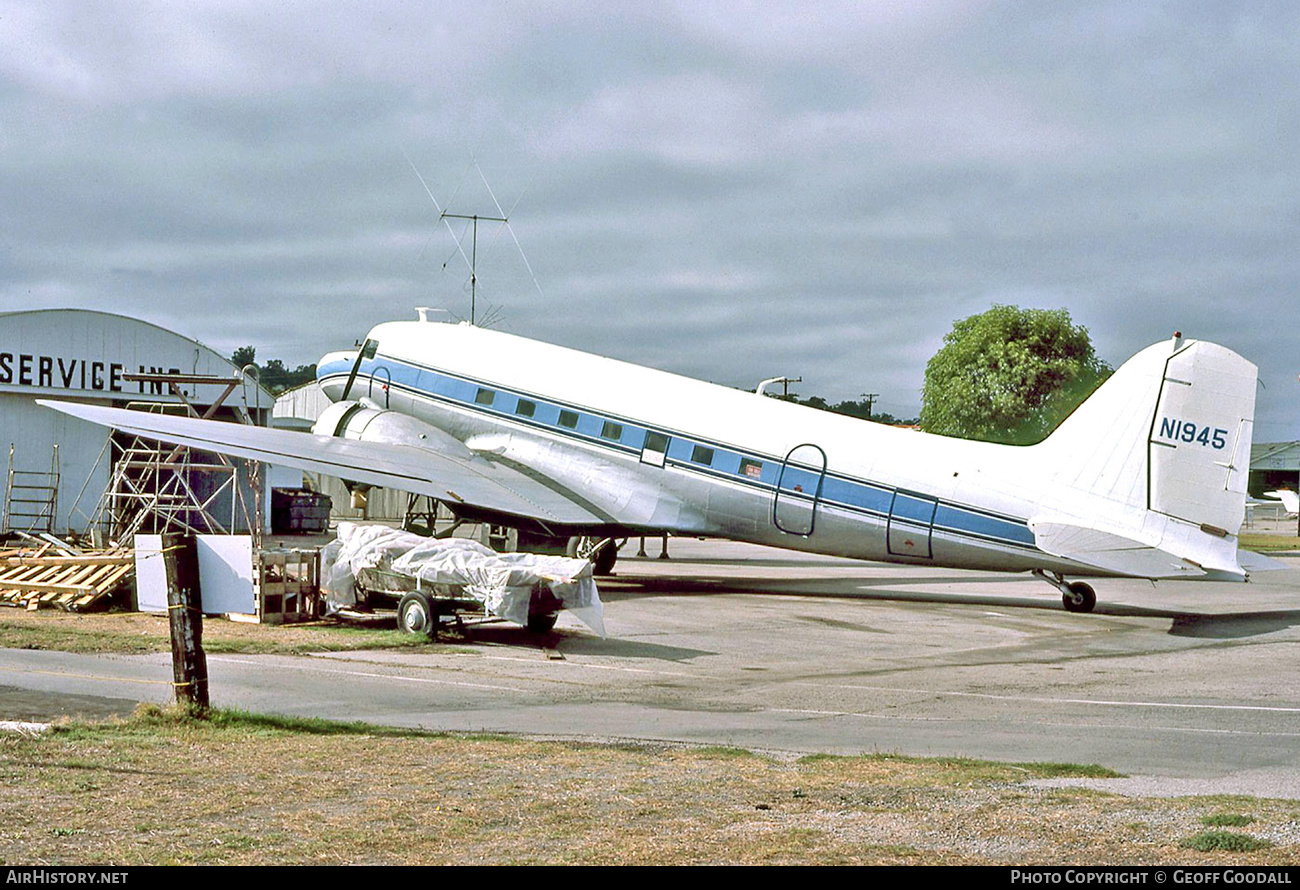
[1201, 435]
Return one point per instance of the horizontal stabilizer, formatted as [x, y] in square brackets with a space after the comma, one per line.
[1258, 562]
[1112, 553]
[476, 481]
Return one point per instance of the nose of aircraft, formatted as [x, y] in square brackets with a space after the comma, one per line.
[333, 369]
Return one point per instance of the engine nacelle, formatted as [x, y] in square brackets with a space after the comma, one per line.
[366, 422]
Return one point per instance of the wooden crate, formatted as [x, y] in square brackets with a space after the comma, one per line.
[288, 585]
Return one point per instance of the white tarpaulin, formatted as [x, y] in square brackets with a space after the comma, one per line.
[502, 582]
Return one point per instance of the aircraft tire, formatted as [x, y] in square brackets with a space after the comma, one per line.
[415, 615]
[602, 558]
[1079, 598]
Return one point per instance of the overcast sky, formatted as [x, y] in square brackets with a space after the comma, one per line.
[727, 190]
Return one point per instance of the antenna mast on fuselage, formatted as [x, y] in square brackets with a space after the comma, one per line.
[472, 261]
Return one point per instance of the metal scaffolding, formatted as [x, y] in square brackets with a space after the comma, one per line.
[157, 488]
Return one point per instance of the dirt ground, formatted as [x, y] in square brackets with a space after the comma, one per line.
[164, 789]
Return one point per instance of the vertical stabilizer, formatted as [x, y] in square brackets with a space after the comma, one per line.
[1200, 438]
[1169, 433]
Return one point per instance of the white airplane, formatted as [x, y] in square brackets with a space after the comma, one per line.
[1290, 501]
[1147, 478]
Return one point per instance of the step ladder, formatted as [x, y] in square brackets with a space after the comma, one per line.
[31, 497]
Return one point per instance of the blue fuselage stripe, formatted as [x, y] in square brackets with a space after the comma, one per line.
[727, 462]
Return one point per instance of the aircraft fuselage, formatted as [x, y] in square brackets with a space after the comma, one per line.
[649, 451]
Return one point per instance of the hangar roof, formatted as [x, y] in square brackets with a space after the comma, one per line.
[85, 353]
[1275, 456]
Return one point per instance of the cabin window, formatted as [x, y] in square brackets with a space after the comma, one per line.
[611, 430]
[569, 420]
[655, 449]
[702, 455]
[369, 350]
[485, 396]
[525, 408]
[751, 468]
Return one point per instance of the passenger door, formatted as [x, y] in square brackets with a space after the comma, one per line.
[799, 490]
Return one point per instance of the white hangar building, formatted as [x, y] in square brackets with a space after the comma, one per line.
[97, 357]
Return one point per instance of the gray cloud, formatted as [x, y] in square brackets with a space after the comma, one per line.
[727, 190]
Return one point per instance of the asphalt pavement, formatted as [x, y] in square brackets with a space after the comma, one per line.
[1188, 687]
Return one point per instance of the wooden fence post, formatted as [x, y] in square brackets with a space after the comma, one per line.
[185, 613]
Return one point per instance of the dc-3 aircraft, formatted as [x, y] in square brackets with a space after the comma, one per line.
[1147, 478]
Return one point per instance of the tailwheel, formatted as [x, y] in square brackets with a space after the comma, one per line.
[1076, 596]
[1079, 597]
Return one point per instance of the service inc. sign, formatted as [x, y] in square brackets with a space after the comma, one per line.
[69, 372]
[84, 352]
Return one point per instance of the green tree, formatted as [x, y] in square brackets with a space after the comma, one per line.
[273, 374]
[849, 408]
[1009, 375]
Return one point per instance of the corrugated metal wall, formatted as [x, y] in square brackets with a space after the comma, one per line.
[82, 354]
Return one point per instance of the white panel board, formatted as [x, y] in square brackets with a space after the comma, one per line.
[150, 574]
[226, 574]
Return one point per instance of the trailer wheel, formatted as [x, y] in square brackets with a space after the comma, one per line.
[542, 622]
[415, 615]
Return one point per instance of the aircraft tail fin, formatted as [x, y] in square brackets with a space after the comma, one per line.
[1290, 500]
[1167, 440]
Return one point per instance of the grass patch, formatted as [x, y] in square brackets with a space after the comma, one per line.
[1034, 770]
[167, 787]
[1070, 771]
[138, 633]
[1224, 841]
[1227, 820]
[1262, 543]
[233, 718]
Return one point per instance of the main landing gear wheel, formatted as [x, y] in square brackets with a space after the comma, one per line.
[603, 552]
[1079, 597]
[415, 615]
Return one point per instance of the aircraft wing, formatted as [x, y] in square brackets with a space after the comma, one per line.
[476, 481]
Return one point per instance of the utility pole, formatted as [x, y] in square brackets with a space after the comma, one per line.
[870, 398]
[784, 381]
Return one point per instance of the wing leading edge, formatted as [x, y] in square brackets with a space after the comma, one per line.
[476, 481]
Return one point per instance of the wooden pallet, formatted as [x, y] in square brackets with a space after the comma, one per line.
[45, 578]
